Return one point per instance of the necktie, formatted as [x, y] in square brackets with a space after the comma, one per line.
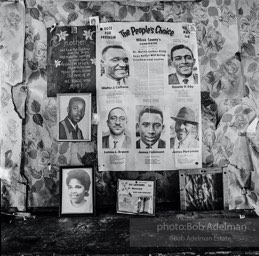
[75, 132]
[185, 81]
[115, 144]
[180, 144]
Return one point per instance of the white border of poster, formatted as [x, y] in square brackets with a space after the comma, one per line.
[138, 100]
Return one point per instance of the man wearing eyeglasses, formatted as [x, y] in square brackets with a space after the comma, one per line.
[115, 65]
[150, 126]
[116, 122]
[183, 62]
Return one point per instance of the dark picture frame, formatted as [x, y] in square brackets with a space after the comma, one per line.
[65, 127]
[137, 201]
[71, 68]
[75, 199]
[204, 189]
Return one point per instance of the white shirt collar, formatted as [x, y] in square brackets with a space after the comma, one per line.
[119, 141]
[144, 146]
[188, 142]
[181, 78]
[116, 82]
[74, 126]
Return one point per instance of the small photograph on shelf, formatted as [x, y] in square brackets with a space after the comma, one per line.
[74, 117]
[136, 197]
[76, 191]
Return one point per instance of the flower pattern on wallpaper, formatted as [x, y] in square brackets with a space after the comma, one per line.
[36, 58]
[251, 71]
[231, 139]
[224, 116]
[10, 148]
[12, 39]
[249, 26]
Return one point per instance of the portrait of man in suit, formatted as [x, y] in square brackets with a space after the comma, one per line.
[115, 63]
[116, 122]
[150, 126]
[185, 129]
[183, 61]
[68, 128]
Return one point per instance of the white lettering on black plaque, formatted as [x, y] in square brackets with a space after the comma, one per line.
[71, 60]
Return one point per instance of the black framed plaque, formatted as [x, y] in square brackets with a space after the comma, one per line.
[71, 60]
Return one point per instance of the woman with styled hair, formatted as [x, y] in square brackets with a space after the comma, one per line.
[78, 183]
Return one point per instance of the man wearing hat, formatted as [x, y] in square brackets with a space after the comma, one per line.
[185, 124]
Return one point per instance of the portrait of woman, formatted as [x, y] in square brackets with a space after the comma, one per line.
[76, 191]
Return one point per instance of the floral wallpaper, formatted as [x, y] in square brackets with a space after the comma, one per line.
[227, 36]
[13, 184]
[12, 32]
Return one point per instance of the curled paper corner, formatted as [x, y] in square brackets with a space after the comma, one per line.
[251, 129]
[19, 97]
[191, 28]
[95, 118]
[255, 205]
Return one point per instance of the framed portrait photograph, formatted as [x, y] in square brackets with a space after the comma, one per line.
[136, 197]
[74, 116]
[77, 191]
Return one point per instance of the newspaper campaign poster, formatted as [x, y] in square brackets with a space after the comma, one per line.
[148, 97]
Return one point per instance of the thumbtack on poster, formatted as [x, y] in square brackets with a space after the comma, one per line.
[94, 20]
[53, 27]
[73, 30]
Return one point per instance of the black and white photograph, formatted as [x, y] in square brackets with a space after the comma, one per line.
[74, 117]
[150, 127]
[117, 134]
[129, 127]
[76, 190]
[114, 66]
[182, 69]
[185, 123]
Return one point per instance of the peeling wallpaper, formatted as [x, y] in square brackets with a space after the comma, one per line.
[227, 35]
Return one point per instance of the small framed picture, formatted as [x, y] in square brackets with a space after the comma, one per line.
[203, 189]
[77, 191]
[74, 116]
[136, 197]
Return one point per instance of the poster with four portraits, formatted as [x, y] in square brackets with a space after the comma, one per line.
[148, 96]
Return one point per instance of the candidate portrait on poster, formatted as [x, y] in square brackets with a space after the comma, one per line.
[182, 62]
[185, 129]
[117, 136]
[115, 67]
[74, 117]
[150, 127]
